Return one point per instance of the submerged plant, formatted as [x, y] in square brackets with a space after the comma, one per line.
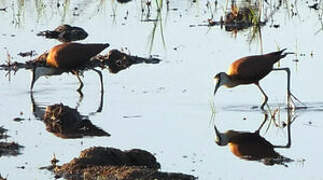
[158, 22]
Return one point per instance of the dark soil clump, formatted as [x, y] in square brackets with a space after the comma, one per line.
[9, 149]
[111, 163]
[3, 134]
[67, 122]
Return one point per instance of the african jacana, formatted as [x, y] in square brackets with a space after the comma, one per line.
[68, 57]
[65, 33]
[250, 70]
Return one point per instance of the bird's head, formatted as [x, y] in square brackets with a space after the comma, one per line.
[220, 79]
[221, 138]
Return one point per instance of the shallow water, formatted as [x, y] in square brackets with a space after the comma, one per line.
[165, 108]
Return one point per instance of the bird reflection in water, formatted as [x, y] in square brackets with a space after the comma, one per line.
[65, 33]
[252, 146]
[66, 122]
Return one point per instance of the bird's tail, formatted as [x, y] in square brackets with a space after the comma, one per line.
[280, 54]
[39, 61]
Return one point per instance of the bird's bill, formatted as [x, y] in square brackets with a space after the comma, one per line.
[33, 79]
[217, 86]
[36, 73]
[218, 136]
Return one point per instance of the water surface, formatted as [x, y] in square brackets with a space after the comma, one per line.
[165, 108]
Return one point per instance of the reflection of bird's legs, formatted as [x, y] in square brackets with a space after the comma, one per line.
[102, 92]
[101, 103]
[289, 122]
[37, 111]
[266, 97]
[33, 103]
[263, 122]
[100, 106]
[101, 79]
[79, 101]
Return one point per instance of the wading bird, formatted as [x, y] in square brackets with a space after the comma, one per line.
[250, 70]
[68, 57]
[65, 33]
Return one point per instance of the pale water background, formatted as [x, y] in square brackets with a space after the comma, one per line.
[170, 103]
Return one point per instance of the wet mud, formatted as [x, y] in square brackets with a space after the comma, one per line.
[111, 163]
[8, 148]
[171, 120]
[66, 122]
[3, 133]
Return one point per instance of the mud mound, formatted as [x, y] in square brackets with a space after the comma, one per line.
[111, 163]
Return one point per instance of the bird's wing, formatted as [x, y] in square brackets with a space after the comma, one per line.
[71, 55]
[250, 69]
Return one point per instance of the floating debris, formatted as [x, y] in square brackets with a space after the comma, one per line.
[134, 116]
[123, 1]
[315, 6]
[29, 53]
[18, 119]
[65, 33]
[101, 162]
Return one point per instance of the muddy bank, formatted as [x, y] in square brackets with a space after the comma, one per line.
[111, 163]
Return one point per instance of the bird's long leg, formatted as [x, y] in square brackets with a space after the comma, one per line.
[79, 90]
[290, 95]
[101, 79]
[263, 122]
[288, 85]
[79, 101]
[266, 97]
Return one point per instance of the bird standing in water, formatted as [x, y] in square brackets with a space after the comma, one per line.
[250, 70]
[68, 57]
